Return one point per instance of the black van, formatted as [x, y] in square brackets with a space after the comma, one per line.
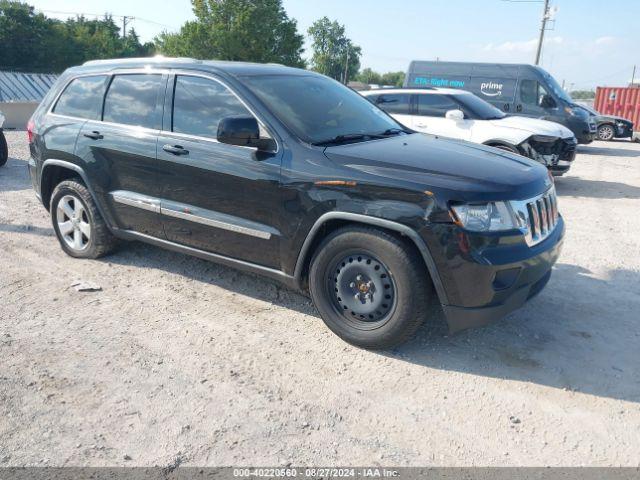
[518, 89]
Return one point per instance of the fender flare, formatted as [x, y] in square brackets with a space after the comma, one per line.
[80, 171]
[376, 222]
[495, 141]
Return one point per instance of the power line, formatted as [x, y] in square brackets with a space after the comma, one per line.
[129, 17]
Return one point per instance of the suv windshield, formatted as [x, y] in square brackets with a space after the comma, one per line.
[557, 89]
[479, 108]
[320, 110]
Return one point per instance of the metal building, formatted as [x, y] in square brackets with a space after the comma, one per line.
[20, 94]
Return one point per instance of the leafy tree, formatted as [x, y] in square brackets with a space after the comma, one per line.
[334, 54]
[247, 30]
[583, 94]
[390, 78]
[32, 42]
[393, 78]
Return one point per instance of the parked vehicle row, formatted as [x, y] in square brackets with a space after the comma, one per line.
[289, 174]
[521, 90]
[610, 126]
[462, 115]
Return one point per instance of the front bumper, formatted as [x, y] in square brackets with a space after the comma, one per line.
[556, 155]
[624, 130]
[485, 285]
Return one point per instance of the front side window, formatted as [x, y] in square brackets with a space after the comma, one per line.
[434, 105]
[532, 92]
[82, 98]
[132, 100]
[316, 108]
[398, 103]
[200, 103]
[477, 108]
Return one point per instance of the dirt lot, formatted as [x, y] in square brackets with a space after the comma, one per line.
[180, 361]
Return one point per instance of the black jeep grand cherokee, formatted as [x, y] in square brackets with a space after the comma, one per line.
[289, 174]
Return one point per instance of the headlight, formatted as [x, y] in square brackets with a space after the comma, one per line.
[486, 217]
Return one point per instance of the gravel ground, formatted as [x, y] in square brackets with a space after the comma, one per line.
[180, 361]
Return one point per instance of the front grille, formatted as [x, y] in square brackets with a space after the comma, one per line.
[542, 216]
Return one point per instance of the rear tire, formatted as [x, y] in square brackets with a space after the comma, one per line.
[81, 230]
[371, 289]
[606, 132]
[4, 150]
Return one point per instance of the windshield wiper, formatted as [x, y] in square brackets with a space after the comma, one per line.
[347, 137]
[392, 131]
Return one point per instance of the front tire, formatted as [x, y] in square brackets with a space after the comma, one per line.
[370, 288]
[4, 150]
[606, 132]
[81, 230]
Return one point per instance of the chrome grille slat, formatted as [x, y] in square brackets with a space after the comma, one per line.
[541, 214]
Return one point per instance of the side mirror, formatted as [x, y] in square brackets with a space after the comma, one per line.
[547, 101]
[455, 115]
[244, 132]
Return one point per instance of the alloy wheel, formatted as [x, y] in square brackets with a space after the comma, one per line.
[605, 132]
[73, 223]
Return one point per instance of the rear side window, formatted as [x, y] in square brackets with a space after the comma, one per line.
[133, 100]
[200, 103]
[395, 103]
[82, 98]
[433, 105]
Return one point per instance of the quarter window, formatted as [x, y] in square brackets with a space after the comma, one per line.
[433, 105]
[398, 103]
[133, 99]
[82, 98]
[199, 104]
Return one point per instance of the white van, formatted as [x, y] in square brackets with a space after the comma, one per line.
[460, 114]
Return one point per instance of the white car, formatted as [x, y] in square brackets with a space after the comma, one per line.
[462, 115]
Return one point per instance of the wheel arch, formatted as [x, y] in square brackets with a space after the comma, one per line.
[331, 221]
[495, 142]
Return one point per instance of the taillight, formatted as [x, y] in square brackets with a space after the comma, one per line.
[30, 127]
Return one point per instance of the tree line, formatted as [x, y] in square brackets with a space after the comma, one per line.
[238, 30]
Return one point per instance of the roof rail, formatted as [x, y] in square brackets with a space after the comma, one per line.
[157, 58]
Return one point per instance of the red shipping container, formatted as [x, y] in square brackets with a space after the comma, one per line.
[620, 101]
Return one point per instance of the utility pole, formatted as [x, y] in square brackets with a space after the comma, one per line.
[545, 17]
[346, 67]
[633, 76]
[125, 21]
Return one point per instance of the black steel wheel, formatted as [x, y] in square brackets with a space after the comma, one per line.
[370, 287]
[364, 289]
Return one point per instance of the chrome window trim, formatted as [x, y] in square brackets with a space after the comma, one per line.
[162, 71]
[189, 73]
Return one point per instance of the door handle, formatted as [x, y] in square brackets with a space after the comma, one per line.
[175, 150]
[518, 108]
[94, 135]
[421, 125]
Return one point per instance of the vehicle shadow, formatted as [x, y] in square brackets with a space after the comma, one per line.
[581, 187]
[14, 176]
[571, 336]
[607, 151]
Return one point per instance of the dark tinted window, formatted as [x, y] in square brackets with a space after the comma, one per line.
[475, 107]
[82, 98]
[434, 105]
[316, 108]
[199, 105]
[394, 103]
[132, 100]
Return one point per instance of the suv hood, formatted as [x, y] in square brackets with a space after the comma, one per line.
[534, 126]
[425, 162]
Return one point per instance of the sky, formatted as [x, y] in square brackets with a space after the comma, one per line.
[589, 43]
